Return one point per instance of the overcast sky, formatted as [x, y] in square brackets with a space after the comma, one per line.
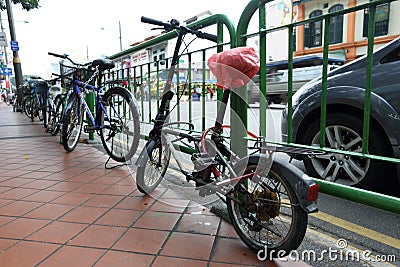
[74, 26]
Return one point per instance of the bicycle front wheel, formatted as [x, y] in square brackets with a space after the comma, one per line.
[54, 115]
[72, 124]
[153, 163]
[38, 109]
[265, 212]
[28, 107]
[120, 131]
[47, 108]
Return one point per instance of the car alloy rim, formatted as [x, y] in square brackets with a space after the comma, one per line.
[336, 167]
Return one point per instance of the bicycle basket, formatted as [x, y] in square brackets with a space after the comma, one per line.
[42, 87]
[70, 73]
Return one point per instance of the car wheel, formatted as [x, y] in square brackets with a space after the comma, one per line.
[344, 132]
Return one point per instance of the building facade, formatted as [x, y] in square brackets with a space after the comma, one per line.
[348, 33]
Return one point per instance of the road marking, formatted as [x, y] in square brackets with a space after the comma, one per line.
[374, 235]
[319, 234]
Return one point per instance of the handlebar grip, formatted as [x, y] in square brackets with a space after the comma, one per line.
[208, 36]
[55, 55]
[152, 21]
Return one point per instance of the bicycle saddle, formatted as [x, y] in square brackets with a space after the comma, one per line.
[104, 64]
[234, 67]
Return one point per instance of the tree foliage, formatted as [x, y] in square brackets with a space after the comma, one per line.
[26, 4]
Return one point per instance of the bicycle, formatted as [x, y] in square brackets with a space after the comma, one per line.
[116, 118]
[34, 104]
[268, 200]
[53, 99]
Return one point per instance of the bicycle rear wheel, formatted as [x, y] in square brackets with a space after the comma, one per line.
[120, 130]
[154, 161]
[72, 124]
[266, 214]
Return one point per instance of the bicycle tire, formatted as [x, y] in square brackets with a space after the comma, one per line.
[277, 224]
[59, 116]
[120, 135]
[152, 168]
[41, 110]
[54, 118]
[36, 109]
[28, 107]
[23, 104]
[72, 124]
[45, 111]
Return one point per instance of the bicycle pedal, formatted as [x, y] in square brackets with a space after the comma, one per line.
[90, 129]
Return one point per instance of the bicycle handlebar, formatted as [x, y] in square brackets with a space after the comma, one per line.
[153, 21]
[65, 56]
[174, 25]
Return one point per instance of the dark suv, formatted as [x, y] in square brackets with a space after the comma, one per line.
[344, 124]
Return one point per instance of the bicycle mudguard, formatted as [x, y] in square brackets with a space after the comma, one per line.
[303, 186]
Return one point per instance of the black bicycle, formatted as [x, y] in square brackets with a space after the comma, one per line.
[34, 103]
[267, 199]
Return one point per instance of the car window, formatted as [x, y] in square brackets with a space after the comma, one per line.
[392, 56]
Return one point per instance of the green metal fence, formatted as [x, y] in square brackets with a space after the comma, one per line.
[366, 197]
[239, 36]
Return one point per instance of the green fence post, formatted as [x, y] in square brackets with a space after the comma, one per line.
[90, 102]
[290, 83]
[324, 82]
[263, 69]
[368, 81]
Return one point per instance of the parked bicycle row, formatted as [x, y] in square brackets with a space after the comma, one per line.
[61, 104]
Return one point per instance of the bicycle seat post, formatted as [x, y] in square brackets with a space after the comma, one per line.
[221, 110]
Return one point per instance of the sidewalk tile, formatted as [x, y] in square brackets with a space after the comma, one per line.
[119, 217]
[142, 241]
[73, 256]
[26, 253]
[163, 261]
[57, 232]
[191, 246]
[98, 236]
[122, 259]
[157, 220]
[21, 227]
[83, 214]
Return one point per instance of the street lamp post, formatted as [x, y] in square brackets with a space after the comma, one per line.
[16, 60]
[120, 34]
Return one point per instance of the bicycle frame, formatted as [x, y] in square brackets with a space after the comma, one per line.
[99, 103]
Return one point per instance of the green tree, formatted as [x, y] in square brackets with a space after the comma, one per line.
[26, 4]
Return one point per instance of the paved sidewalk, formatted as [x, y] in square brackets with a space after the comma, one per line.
[66, 209]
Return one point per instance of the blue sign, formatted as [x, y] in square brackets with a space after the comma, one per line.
[14, 46]
[6, 71]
